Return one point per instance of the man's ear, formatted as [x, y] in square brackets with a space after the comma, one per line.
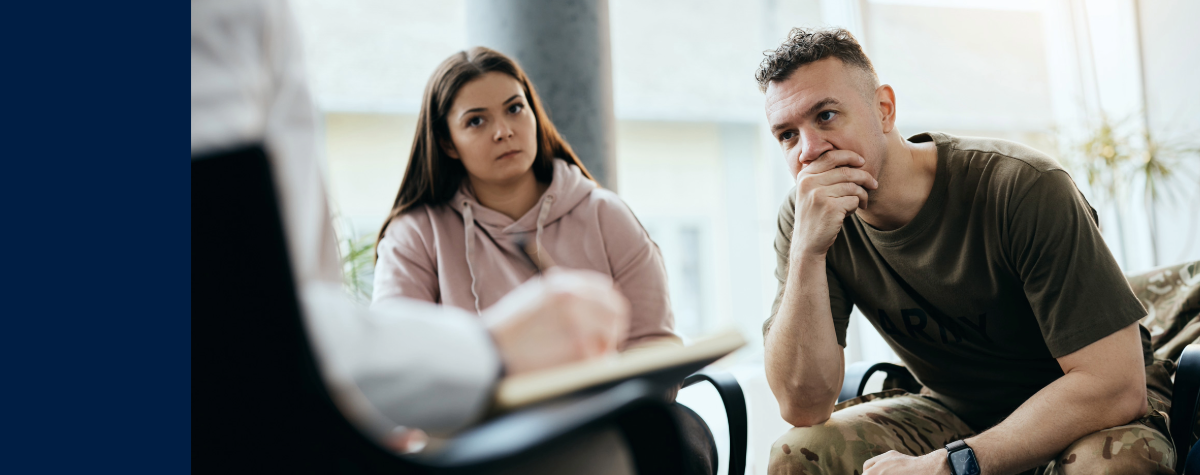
[885, 99]
[448, 148]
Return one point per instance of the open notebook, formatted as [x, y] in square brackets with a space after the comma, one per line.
[667, 365]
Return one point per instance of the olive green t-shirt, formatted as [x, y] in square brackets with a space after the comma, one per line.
[1001, 271]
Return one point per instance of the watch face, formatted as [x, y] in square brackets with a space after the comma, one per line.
[962, 462]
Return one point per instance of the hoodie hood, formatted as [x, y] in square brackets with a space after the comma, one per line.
[568, 188]
[464, 255]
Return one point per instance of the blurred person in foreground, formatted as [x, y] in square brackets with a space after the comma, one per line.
[980, 263]
[407, 363]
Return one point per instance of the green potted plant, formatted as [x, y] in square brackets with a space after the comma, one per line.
[1112, 156]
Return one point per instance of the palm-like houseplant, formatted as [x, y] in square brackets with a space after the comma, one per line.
[1113, 156]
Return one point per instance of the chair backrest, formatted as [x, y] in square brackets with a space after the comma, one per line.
[258, 402]
[1184, 402]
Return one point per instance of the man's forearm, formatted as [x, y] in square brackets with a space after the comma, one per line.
[1075, 405]
[804, 363]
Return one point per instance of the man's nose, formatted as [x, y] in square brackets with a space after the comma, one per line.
[813, 146]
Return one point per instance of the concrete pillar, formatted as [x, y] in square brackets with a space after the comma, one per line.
[563, 45]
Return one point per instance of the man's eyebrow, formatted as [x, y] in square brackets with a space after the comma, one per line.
[481, 109]
[828, 101]
[823, 103]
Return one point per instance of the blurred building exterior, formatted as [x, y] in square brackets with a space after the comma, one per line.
[694, 159]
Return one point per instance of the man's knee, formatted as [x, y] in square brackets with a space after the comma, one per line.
[799, 449]
[854, 434]
[1132, 450]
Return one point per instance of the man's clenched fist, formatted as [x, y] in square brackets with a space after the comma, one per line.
[827, 190]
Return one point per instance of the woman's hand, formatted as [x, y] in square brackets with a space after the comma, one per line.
[561, 317]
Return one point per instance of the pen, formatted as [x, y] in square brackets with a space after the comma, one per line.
[541, 262]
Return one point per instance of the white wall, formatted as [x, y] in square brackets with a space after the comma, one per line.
[962, 69]
[376, 55]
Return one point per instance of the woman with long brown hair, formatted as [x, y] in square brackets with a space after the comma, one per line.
[493, 193]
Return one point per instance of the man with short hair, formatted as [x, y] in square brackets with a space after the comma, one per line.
[979, 262]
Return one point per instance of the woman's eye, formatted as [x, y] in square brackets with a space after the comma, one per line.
[515, 108]
[826, 116]
[475, 122]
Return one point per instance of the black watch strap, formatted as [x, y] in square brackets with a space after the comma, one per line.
[961, 458]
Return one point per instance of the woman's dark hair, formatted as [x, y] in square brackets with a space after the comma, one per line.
[432, 177]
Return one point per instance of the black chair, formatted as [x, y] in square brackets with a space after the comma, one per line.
[858, 373]
[735, 411]
[1183, 404]
[259, 403]
[1192, 467]
[1183, 397]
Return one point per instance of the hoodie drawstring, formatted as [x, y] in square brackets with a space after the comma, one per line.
[469, 231]
[541, 222]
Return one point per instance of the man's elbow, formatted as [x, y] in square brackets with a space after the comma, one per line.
[796, 402]
[1133, 403]
[804, 416]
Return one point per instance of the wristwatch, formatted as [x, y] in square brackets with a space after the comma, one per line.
[961, 458]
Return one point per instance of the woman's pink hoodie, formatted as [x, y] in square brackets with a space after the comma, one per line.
[465, 255]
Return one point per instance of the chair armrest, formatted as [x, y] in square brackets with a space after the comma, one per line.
[1183, 401]
[735, 410]
[634, 406]
[858, 374]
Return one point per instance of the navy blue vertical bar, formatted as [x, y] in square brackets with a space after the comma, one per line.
[94, 306]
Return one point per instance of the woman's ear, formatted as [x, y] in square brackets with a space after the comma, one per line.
[448, 149]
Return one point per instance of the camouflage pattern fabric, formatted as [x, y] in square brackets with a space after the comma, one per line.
[913, 424]
[1171, 296]
[1142, 447]
[1128, 449]
[864, 427]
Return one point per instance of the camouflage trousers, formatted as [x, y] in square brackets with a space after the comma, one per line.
[912, 424]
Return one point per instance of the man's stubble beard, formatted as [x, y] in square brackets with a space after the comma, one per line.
[881, 152]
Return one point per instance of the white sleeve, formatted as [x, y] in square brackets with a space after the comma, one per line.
[410, 364]
[418, 364]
